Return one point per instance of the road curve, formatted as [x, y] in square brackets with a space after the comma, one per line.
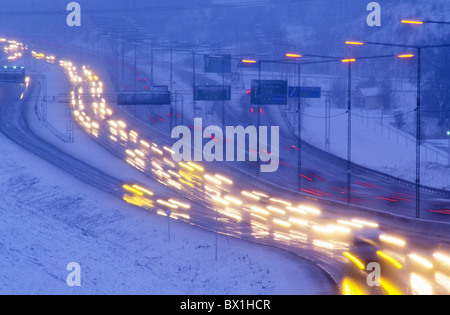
[15, 126]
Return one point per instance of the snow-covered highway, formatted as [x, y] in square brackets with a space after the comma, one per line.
[49, 217]
[207, 195]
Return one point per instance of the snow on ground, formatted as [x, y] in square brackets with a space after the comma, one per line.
[49, 219]
[377, 146]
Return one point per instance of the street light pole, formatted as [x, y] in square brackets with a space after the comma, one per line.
[418, 107]
[152, 62]
[217, 233]
[349, 135]
[299, 130]
[418, 130]
[223, 99]
[448, 135]
[171, 88]
[349, 109]
[349, 127]
[194, 83]
[135, 78]
[258, 113]
[299, 108]
[135, 67]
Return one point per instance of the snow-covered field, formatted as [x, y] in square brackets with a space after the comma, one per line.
[49, 219]
[378, 146]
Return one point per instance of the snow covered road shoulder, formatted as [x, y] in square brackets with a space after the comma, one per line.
[49, 219]
[121, 249]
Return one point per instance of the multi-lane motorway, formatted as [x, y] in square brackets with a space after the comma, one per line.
[226, 199]
[322, 175]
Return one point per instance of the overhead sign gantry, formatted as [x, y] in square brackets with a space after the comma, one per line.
[12, 74]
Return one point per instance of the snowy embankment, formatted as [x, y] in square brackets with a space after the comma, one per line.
[49, 219]
[377, 146]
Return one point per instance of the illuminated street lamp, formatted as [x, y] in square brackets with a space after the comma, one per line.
[418, 108]
[293, 55]
[349, 62]
[299, 125]
[417, 22]
[249, 61]
[412, 22]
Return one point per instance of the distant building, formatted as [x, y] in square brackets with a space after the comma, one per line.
[372, 96]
